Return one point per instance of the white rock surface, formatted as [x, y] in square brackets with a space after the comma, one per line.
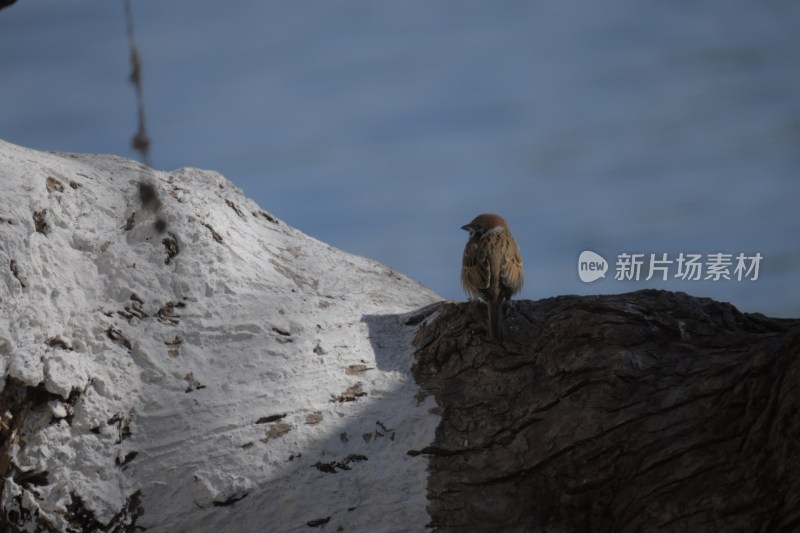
[216, 394]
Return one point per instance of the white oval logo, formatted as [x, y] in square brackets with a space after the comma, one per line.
[591, 266]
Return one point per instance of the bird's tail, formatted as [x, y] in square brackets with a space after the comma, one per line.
[495, 307]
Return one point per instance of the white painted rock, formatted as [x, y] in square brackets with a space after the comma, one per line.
[229, 374]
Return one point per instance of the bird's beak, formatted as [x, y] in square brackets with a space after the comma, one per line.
[466, 227]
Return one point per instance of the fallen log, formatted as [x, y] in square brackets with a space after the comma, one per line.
[646, 411]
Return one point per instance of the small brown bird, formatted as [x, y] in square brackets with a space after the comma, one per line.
[492, 267]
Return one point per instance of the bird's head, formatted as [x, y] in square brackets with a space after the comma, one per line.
[484, 223]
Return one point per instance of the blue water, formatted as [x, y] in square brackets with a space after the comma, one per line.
[381, 127]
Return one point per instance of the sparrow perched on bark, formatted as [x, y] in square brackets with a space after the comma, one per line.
[492, 267]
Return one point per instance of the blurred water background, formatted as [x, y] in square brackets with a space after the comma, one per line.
[381, 127]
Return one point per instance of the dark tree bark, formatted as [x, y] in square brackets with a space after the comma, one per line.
[648, 411]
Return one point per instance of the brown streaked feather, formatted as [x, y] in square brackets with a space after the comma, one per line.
[511, 273]
[477, 269]
[475, 272]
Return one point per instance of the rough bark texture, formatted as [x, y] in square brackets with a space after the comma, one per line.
[647, 411]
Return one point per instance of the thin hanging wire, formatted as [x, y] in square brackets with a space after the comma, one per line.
[141, 140]
[148, 193]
